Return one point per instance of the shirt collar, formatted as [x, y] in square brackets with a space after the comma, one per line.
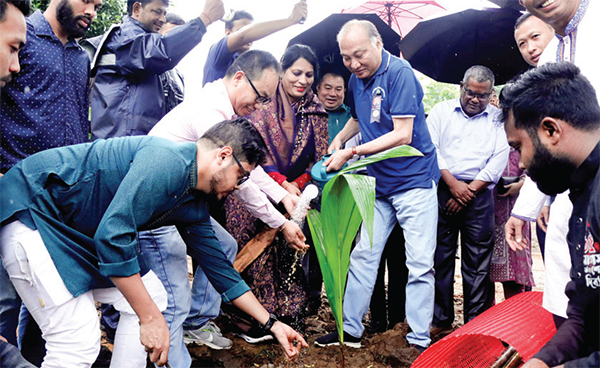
[42, 28]
[194, 170]
[135, 22]
[341, 108]
[458, 107]
[586, 171]
[385, 62]
[574, 22]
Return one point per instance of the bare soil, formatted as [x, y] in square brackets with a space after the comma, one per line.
[379, 350]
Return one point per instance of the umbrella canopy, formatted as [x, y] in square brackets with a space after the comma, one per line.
[508, 4]
[445, 47]
[401, 15]
[322, 39]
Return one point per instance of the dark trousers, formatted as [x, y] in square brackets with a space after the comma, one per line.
[475, 223]
[388, 314]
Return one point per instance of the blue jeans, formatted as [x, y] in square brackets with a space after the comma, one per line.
[165, 253]
[206, 301]
[11, 357]
[10, 304]
[416, 212]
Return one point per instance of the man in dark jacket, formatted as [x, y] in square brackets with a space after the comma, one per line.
[127, 96]
[552, 117]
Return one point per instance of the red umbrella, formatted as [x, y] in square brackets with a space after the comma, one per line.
[401, 15]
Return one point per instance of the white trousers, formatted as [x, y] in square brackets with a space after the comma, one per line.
[70, 325]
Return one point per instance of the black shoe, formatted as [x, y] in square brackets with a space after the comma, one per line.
[377, 326]
[439, 331]
[333, 339]
[418, 347]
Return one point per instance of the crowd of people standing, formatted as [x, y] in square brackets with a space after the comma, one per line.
[106, 206]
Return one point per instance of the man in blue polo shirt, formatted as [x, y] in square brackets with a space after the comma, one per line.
[389, 112]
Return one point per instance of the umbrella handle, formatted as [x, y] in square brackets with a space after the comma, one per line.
[303, 19]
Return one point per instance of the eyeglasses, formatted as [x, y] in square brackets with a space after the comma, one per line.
[246, 173]
[259, 98]
[480, 96]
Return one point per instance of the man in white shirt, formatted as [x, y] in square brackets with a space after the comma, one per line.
[472, 153]
[250, 81]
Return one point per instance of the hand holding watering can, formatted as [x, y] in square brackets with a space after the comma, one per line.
[323, 171]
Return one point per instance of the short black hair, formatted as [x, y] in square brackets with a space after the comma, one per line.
[239, 134]
[23, 5]
[556, 90]
[253, 63]
[334, 73]
[174, 18]
[295, 52]
[524, 17]
[237, 15]
[130, 4]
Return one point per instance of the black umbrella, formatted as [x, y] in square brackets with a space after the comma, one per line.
[445, 47]
[322, 39]
[515, 4]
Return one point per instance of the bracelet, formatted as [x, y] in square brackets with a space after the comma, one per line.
[207, 17]
[266, 328]
[354, 151]
[283, 226]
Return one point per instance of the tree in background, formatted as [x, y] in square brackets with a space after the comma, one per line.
[437, 92]
[110, 13]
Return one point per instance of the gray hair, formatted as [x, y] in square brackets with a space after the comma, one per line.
[367, 26]
[480, 74]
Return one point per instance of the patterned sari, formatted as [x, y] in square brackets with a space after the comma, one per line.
[509, 265]
[296, 136]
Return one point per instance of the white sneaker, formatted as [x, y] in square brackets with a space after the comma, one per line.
[254, 336]
[209, 335]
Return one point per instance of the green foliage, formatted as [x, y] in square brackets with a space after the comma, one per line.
[110, 13]
[437, 92]
[347, 201]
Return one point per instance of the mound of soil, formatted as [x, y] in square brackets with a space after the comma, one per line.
[379, 350]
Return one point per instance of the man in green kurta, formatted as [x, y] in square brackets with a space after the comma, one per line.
[85, 204]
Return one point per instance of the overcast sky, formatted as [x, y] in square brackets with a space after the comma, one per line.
[264, 10]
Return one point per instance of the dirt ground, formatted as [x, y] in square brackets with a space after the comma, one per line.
[379, 350]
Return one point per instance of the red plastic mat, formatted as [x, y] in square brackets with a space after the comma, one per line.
[519, 321]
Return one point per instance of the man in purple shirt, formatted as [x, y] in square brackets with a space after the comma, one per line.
[239, 35]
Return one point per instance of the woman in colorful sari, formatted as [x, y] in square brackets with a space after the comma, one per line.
[514, 269]
[294, 127]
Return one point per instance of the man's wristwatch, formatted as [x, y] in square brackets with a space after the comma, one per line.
[266, 328]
